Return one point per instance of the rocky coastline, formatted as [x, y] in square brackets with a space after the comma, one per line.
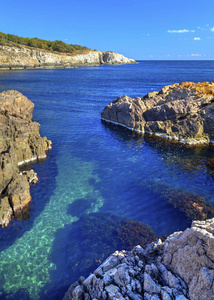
[181, 267]
[23, 57]
[20, 143]
[182, 112]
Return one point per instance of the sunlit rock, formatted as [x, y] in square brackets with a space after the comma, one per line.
[183, 112]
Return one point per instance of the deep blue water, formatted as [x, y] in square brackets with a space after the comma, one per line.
[95, 168]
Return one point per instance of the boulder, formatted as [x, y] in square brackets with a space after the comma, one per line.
[181, 111]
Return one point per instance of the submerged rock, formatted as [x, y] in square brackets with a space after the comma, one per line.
[181, 111]
[20, 142]
[180, 268]
[192, 205]
[97, 235]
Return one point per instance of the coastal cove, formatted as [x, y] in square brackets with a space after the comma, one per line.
[95, 168]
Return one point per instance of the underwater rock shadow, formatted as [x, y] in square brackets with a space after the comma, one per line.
[80, 247]
[22, 294]
[190, 158]
[193, 206]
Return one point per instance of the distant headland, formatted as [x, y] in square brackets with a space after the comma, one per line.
[26, 53]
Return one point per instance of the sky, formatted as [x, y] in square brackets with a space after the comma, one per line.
[138, 29]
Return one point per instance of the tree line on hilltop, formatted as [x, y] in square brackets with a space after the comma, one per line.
[58, 46]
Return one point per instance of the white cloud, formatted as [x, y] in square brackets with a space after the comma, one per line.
[196, 54]
[197, 39]
[148, 34]
[180, 31]
[212, 29]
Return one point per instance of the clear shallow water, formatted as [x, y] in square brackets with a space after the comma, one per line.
[94, 167]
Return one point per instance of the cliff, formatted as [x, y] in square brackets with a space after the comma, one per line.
[181, 111]
[180, 268]
[22, 57]
[20, 142]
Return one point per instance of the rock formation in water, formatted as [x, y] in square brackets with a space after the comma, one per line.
[20, 142]
[183, 112]
[13, 57]
[180, 268]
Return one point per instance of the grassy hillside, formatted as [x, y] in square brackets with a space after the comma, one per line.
[55, 46]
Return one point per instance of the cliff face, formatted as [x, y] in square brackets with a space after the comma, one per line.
[180, 268]
[183, 112]
[20, 142]
[24, 57]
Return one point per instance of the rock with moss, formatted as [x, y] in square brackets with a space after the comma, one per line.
[20, 143]
[181, 267]
[181, 111]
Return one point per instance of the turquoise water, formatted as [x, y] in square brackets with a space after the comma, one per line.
[94, 168]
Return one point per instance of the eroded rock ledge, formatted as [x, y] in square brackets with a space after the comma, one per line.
[181, 111]
[20, 142]
[180, 268]
[26, 57]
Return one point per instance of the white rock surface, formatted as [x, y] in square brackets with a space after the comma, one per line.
[180, 268]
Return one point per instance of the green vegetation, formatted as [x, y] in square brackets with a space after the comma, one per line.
[58, 46]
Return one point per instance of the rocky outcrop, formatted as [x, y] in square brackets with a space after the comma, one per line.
[180, 268]
[183, 112]
[20, 142]
[25, 57]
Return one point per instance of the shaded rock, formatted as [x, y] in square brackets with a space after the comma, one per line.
[8, 167]
[18, 192]
[5, 211]
[183, 112]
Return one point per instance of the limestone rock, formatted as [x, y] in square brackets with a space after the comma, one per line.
[12, 57]
[20, 142]
[180, 268]
[183, 112]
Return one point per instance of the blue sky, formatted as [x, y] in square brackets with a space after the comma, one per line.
[139, 29]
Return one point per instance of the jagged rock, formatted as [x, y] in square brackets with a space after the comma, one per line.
[31, 176]
[20, 142]
[180, 268]
[26, 57]
[183, 112]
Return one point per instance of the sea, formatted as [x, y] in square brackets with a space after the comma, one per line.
[96, 174]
